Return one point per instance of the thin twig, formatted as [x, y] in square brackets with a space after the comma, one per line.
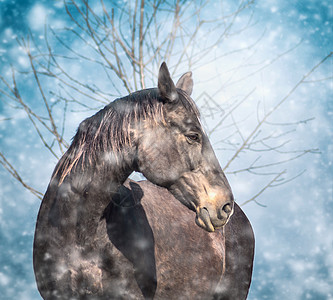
[9, 167]
[274, 109]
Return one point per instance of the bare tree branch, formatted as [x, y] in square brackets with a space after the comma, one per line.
[6, 164]
[126, 42]
[263, 120]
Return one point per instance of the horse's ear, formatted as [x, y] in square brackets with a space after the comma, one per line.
[165, 84]
[186, 83]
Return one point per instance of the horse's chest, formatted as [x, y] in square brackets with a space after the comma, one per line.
[189, 261]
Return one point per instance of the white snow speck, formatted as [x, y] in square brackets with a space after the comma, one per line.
[37, 17]
[4, 280]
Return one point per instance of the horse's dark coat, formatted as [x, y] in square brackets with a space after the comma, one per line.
[99, 239]
[146, 244]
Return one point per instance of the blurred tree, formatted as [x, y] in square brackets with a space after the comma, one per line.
[123, 44]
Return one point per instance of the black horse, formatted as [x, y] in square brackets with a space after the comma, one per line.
[97, 238]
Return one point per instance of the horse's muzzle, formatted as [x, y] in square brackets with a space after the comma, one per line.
[209, 219]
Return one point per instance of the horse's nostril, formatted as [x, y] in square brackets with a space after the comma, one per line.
[224, 212]
[227, 208]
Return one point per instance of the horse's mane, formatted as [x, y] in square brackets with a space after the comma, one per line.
[109, 130]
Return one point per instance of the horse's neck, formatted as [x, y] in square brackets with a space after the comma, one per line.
[89, 193]
[95, 186]
[89, 187]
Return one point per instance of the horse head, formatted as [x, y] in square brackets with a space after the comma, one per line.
[177, 154]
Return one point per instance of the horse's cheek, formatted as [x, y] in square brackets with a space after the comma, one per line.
[150, 164]
[193, 155]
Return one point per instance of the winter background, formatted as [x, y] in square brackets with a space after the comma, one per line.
[294, 236]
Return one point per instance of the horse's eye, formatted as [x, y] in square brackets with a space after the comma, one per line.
[193, 137]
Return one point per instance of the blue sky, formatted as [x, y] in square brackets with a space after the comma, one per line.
[294, 238]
